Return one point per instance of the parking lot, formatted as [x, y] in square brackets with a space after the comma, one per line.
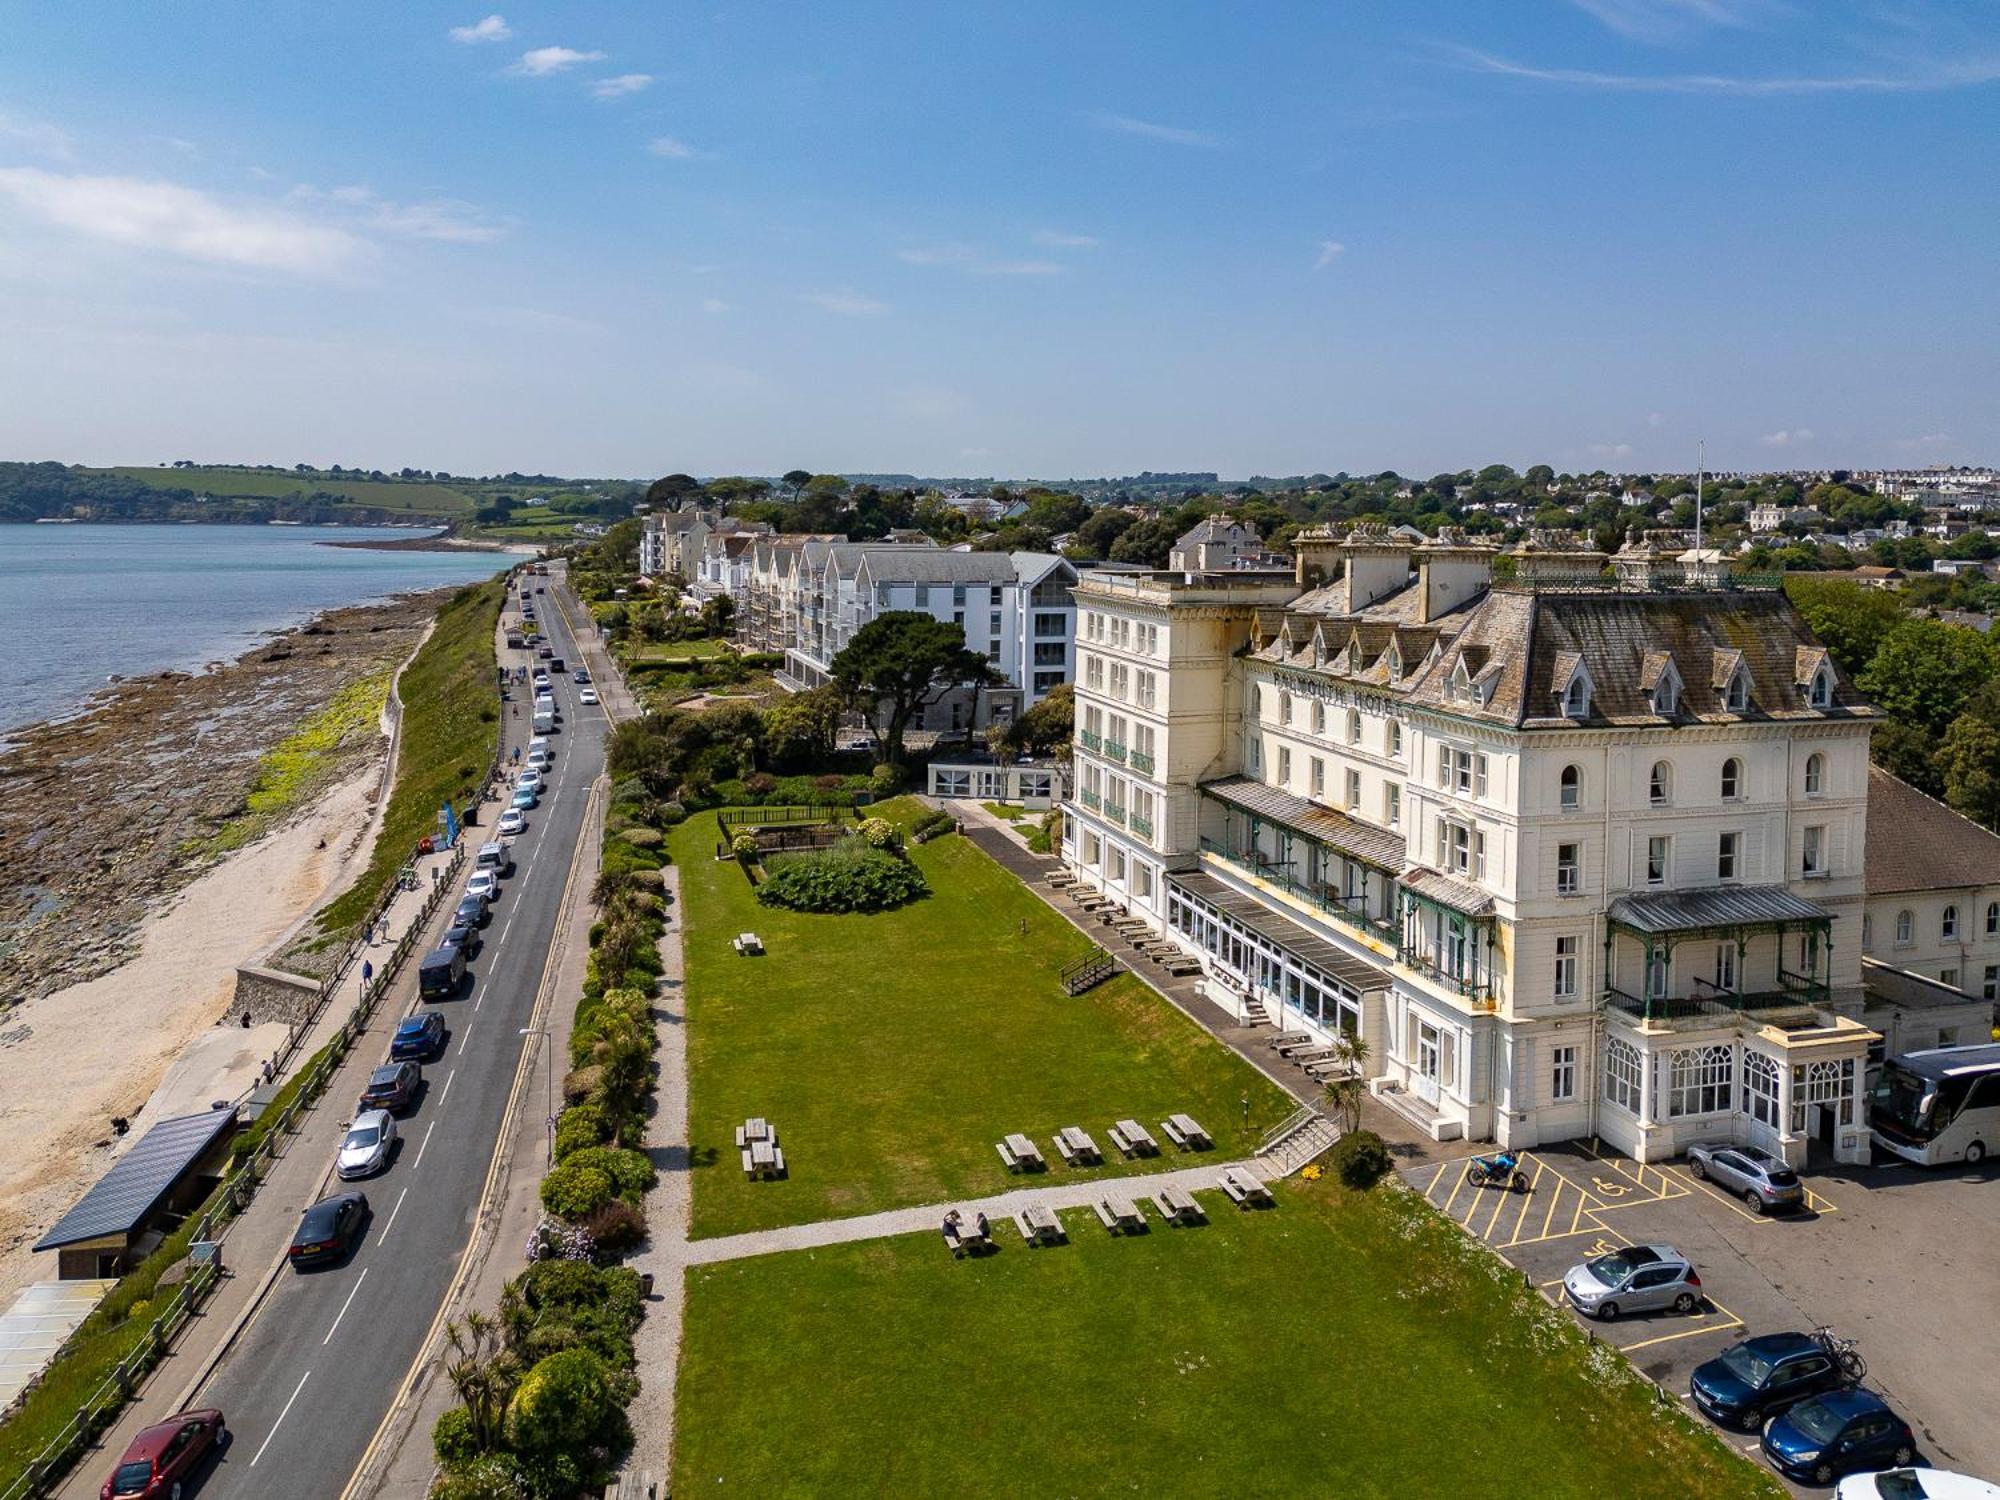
[1906, 1260]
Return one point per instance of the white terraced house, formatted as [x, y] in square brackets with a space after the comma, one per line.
[1576, 851]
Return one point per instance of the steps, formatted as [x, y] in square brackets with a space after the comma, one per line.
[1093, 968]
[1303, 1138]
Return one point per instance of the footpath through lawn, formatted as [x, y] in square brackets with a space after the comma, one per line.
[1339, 1344]
[893, 1050]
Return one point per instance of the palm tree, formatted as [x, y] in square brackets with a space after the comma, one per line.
[1345, 1092]
[482, 1372]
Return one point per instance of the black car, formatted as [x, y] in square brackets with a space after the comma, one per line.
[392, 1087]
[464, 937]
[418, 1038]
[472, 910]
[328, 1230]
[1761, 1377]
[581, 675]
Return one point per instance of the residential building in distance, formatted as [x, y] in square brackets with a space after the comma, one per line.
[1933, 897]
[1577, 852]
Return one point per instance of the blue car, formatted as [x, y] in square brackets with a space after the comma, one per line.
[419, 1037]
[525, 799]
[1819, 1440]
[1761, 1377]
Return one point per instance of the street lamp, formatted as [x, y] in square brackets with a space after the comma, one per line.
[549, 1057]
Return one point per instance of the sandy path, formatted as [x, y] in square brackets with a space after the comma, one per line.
[71, 1060]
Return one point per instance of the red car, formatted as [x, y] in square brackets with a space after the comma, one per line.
[161, 1459]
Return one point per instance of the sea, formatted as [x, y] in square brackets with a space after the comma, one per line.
[82, 603]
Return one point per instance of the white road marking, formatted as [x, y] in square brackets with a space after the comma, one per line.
[425, 1146]
[341, 1314]
[464, 1033]
[392, 1218]
[447, 1087]
[503, 928]
[281, 1417]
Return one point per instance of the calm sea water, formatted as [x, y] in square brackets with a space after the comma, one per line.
[80, 603]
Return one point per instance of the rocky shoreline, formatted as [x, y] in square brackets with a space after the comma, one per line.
[443, 541]
[106, 815]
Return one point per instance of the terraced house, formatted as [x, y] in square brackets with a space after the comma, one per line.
[1576, 850]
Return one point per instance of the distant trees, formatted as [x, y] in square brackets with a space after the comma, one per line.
[1925, 670]
[1146, 543]
[1851, 619]
[672, 492]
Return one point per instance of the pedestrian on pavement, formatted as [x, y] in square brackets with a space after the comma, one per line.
[367, 972]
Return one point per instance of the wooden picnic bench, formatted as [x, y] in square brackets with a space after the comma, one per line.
[1285, 1041]
[1304, 1055]
[763, 1159]
[1038, 1225]
[1330, 1067]
[1020, 1154]
[1242, 1189]
[1177, 1207]
[1132, 1138]
[1186, 1132]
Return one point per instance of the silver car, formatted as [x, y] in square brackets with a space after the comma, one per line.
[1764, 1182]
[365, 1150]
[1639, 1278]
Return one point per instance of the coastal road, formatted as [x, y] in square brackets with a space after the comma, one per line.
[312, 1377]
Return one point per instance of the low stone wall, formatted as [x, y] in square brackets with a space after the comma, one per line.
[272, 995]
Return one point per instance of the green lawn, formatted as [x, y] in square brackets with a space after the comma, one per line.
[893, 1050]
[1339, 1345]
[429, 498]
[675, 650]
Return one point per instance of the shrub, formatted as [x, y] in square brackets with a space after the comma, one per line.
[631, 1172]
[1360, 1158]
[488, 1478]
[453, 1439]
[641, 838]
[744, 846]
[829, 783]
[580, 1127]
[574, 1193]
[579, 1083]
[849, 877]
[880, 833]
[930, 827]
[561, 1404]
[760, 783]
[886, 780]
[617, 1228]
[672, 814]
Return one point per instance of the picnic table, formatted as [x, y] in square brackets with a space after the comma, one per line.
[763, 1158]
[748, 944]
[1186, 1132]
[1242, 1188]
[1286, 1040]
[1134, 1139]
[1124, 1215]
[962, 1234]
[1039, 1225]
[1177, 1207]
[1073, 1144]
[1021, 1154]
[756, 1128]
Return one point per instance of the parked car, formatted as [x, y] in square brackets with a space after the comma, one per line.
[159, 1459]
[1915, 1484]
[513, 821]
[524, 799]
[1820, 1439]
[366, 1148]
[483, 883]
[530, 777]
[419, 1037]
[328, 1230]
[1761, 1377]
[587, 696]
[393, 1087]
[547, 749]
[464, 937]
[1639, 1278]
[1764, 1182]
[545, 652]
[473, 909]
[497, 857]
[581, 676]
[442, 972]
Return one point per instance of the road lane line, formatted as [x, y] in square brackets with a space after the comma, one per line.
[384, 1235]
[424, 1147]
[447, 1087]
[503, 929]
[343, 1311]
[281, 1418]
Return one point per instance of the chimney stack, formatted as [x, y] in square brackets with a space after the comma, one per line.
[1451, 570]
[1314, 553]
[1551, 559]
[1377, 564]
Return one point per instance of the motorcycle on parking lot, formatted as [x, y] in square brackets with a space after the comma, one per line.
[1503, 1171]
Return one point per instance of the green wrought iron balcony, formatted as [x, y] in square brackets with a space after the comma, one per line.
[1090, 740]
[1113, 750]
[1115, 814]
[1141, 826]
[1141, 763]
[1091, 800]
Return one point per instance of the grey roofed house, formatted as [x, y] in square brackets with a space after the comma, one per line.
[165, 1173]
[934, 565]
[1916, 843]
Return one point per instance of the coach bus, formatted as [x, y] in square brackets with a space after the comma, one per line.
[1938, 1105]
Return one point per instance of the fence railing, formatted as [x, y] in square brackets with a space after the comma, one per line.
[1296, 1120]
[748, 817]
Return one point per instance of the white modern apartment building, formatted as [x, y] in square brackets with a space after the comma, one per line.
[1576, 852]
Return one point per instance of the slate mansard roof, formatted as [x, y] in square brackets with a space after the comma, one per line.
[1916, 843]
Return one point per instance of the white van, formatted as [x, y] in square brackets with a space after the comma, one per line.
[545, 720]
[497, 856]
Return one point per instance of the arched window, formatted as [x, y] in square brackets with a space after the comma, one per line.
[1572, 788]
[1732, 779]
[1821, 695]
[1815, 774]
[1354, 726]
[1906, 926]
[1660, 785]
[1621, 1074]
[1576, 697]
[1760, 1088]
[1395, 738]
[1948, 924]
[1992, 917]
[1284, 708]
[1739, 693]
[1700, 1080]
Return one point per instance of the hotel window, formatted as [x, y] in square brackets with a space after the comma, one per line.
[1725, 967]
[1948, 977]
[1726, 851]
[1395, 738]
[1906, 929]
[1569, 869]
[1455, 844]
[1319, 717]
[1812, 855]
[1570, 789]
[1700, 1080]
[1392, 809]
[1354, 791]
[1256, 754]
[1659, 974]
[993, 625]
[1093, 671]
[1146, 685]
[1562, 1075]
[1815, 774]
[1822, 689]
[1992, 918]
[1318, 776]
[1354, 726]
[1659, 856]
[1284, 708]
[1284, 766]
[1660, 784]
[1867, 933]
[1567, 953]
[1621, 1074]
[1948, 924]
[1760, 1088]
[1732, 779]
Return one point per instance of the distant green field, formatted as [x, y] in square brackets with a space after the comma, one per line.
[389, 494]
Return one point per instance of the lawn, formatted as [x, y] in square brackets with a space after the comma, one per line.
[676, 650]
[422, 496]
[1341, 1344]
[893, 1050]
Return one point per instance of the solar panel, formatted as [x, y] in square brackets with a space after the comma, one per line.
[126, 1195]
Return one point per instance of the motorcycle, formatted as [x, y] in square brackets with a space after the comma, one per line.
[1502, 1171]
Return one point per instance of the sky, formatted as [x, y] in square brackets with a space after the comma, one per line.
[1030, 239]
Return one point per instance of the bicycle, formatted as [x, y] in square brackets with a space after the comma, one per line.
[1844, 1353]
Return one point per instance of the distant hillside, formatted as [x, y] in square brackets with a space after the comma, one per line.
[418, 496]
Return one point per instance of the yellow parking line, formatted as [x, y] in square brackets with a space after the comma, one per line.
[1436, 1178]
[1554, 1199]
[1820, 1205]
[1685, 1333]
[1457, 1188]
[1494, 1218]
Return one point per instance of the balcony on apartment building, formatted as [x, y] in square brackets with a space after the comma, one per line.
[1714, 928]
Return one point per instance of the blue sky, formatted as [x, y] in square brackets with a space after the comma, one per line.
[1021, 239]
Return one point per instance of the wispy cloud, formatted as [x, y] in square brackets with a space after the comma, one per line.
[1656, 419]
[540, 62]
[845, 302]
[714, 306]
[623, 84]
[1609, 450]
[492, 29]
[1329, 252]
[34, 135]
[1970, 73]
[1056, 239]
[1172, 134]
[1923, 442]
[1786, 437]
[1661, 20]
[451, 219]
[977, 263]
[675, 150]
[168, 218]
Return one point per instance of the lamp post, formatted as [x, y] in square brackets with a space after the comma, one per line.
[549, 1061]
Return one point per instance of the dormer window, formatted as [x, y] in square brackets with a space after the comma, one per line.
[1395, 660]
[1665, 697]
[1819, 692]
[1737, 696]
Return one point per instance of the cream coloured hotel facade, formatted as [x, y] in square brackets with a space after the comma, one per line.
[1577, 851]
